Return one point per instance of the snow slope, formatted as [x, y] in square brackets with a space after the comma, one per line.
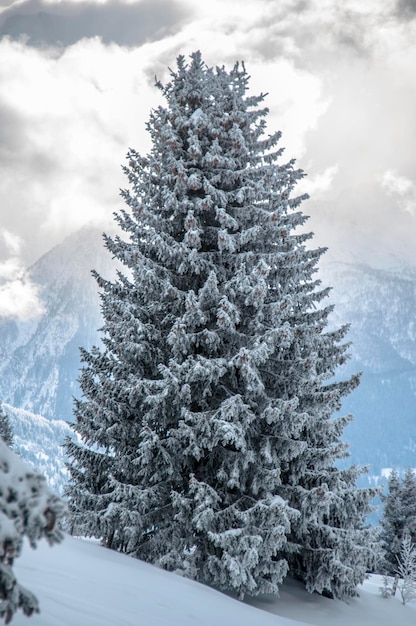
[79, 583]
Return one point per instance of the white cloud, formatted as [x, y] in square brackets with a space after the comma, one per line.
[19, 296]
[400, 187]
[318, 183]
[12, 242]
[393, 183]
[10, 268]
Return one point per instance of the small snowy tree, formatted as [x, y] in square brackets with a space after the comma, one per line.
[386, 589]
[208, 442]
[6, 432]
[27, 509]
[406, 570]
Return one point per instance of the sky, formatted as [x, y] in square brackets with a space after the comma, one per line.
[77, 85]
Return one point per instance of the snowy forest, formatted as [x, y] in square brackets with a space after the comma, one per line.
[207, 433]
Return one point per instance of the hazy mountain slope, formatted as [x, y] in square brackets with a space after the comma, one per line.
[39, 358]
[39, 442]
[381, 308]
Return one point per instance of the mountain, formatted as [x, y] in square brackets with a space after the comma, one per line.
[380, 306]
[39, 363]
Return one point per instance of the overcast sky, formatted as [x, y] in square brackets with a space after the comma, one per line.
[77, 85]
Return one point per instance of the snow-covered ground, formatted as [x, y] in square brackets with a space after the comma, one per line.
[79, 583]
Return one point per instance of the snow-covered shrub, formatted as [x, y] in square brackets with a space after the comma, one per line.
[406, 570]
[27, 509]
[386, 589]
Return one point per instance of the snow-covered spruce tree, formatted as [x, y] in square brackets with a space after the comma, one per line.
[27, 508]
[208, 443]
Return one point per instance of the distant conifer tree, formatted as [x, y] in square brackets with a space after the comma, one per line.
[399, 517]
[6, 432]
[408, 504]
[209, 444]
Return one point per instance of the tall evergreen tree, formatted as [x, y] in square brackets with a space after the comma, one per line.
[209, 444]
